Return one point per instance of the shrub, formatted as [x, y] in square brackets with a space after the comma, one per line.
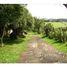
[48, 28]
[51, 34]
[59, 34]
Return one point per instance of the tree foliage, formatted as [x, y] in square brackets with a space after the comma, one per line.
[14, 17]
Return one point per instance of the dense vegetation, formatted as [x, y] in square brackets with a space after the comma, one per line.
[59, 34]
[53, 30]
[15, 20]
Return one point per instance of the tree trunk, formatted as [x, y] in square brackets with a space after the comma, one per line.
[2, 44]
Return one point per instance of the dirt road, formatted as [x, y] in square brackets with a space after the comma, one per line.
[41, 52]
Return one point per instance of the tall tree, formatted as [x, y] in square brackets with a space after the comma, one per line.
[9, 14]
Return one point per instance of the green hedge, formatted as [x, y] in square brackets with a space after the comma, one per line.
[59, 34]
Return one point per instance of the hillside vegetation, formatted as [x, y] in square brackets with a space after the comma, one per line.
[58, 24]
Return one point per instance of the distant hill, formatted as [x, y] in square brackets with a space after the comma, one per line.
[58, 20]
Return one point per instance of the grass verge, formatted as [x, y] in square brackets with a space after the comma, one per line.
[11, 51]
[62, 47]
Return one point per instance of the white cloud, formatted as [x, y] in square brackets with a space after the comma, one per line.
[47, 1]
[48, 8]
[33, 1]
[14, 1]
[43, 8]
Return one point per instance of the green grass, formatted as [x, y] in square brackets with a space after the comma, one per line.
[10, 53]
[58, 24]
[62, 47]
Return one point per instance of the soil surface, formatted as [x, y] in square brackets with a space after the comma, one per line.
[40, 51]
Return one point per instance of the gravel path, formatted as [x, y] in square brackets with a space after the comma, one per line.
[41, 52]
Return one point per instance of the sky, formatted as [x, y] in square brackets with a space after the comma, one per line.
[51, 9]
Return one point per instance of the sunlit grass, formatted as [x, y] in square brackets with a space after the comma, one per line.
[11, 51]
[62, 47]
[59, 24]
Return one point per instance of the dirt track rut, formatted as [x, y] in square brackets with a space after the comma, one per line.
[41, 52]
